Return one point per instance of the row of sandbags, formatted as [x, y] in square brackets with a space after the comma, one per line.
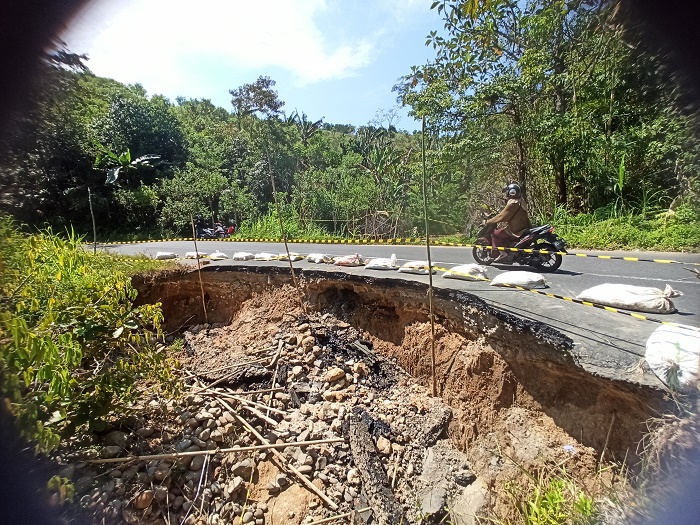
[628, 297]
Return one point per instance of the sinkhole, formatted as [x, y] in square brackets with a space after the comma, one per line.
[514, 386]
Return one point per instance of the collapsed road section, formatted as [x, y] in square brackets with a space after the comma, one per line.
[314, 403]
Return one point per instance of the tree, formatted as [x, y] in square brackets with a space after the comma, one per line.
[258, 97]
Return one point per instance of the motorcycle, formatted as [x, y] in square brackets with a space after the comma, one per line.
[537, 238]
[217, 232]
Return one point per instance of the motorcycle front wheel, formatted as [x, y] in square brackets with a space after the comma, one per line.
[483, 256]
[547, 262]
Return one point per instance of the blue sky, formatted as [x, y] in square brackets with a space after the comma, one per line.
[336, 59]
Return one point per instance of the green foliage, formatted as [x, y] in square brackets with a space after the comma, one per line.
[608, 229]
[551, 497]
[268, 226]
[62, 487]
[71, 343]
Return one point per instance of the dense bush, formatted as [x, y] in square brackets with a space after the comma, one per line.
[71, 343]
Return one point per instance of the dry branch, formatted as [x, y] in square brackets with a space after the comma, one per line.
[175, 455]
[283, 461]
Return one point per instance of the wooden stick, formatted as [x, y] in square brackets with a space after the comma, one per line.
[199, 270]
[259, 414]
[240, 400]
[175, 455]
[284, 462]
[209, 386]
[263, 391]
[393, 476]
[339, 516]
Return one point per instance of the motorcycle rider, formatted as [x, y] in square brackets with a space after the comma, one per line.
[516, 220]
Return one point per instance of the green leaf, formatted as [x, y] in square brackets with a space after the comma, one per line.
[131, 324]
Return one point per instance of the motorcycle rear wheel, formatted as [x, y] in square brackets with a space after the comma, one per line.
[547, 262]
[483, 256]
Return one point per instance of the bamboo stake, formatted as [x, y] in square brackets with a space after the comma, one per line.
[284, 234]
[176, 455]
[284, 462]
[94, 229]
[607, 438]
[430, 267]
[274, 376]
[339, 516]
[199, 270]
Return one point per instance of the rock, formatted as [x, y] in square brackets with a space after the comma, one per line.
[183, 445]
[116, 438]
[334, 374]
[282, 480]
[247, 517]
[197, 462]
[205, 434]
[162, 471]
[243, 468]
[110, 451]
[434, 501]
[144, 432]
[361, 369]
[177, 502]
[384, 445]
[258, 513]
[130, 473]
[143, 499]
[217, 436]
[160, 493]
[297, 371]
[67, 471]
[234, 486]
[305, 469]
[353, 476]
[272, 488]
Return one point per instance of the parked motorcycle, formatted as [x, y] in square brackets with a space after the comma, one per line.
[537, 238]
[217, 232]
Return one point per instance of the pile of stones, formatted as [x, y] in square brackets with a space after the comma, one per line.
[323, 371]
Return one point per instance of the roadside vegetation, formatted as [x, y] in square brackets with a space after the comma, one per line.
[72, 345]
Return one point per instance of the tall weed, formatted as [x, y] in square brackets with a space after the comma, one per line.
[71, 342]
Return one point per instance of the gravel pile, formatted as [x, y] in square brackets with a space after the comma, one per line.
[305, 382]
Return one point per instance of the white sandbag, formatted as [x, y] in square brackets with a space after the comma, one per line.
[218, 256]
[194, 255]
[292, 255]
[349, 260]
[520, 278]
[319, 258]
[165, 255]
[382, 263]
[266, 256]
[672, 353]
[638, 298]
[243, 256]
[468, 272]
[419, 267]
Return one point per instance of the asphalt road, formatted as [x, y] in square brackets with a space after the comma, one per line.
[606, 343]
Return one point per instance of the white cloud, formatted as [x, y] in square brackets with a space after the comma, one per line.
[153, 41]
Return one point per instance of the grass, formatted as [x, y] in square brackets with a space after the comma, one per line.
[71, 342]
